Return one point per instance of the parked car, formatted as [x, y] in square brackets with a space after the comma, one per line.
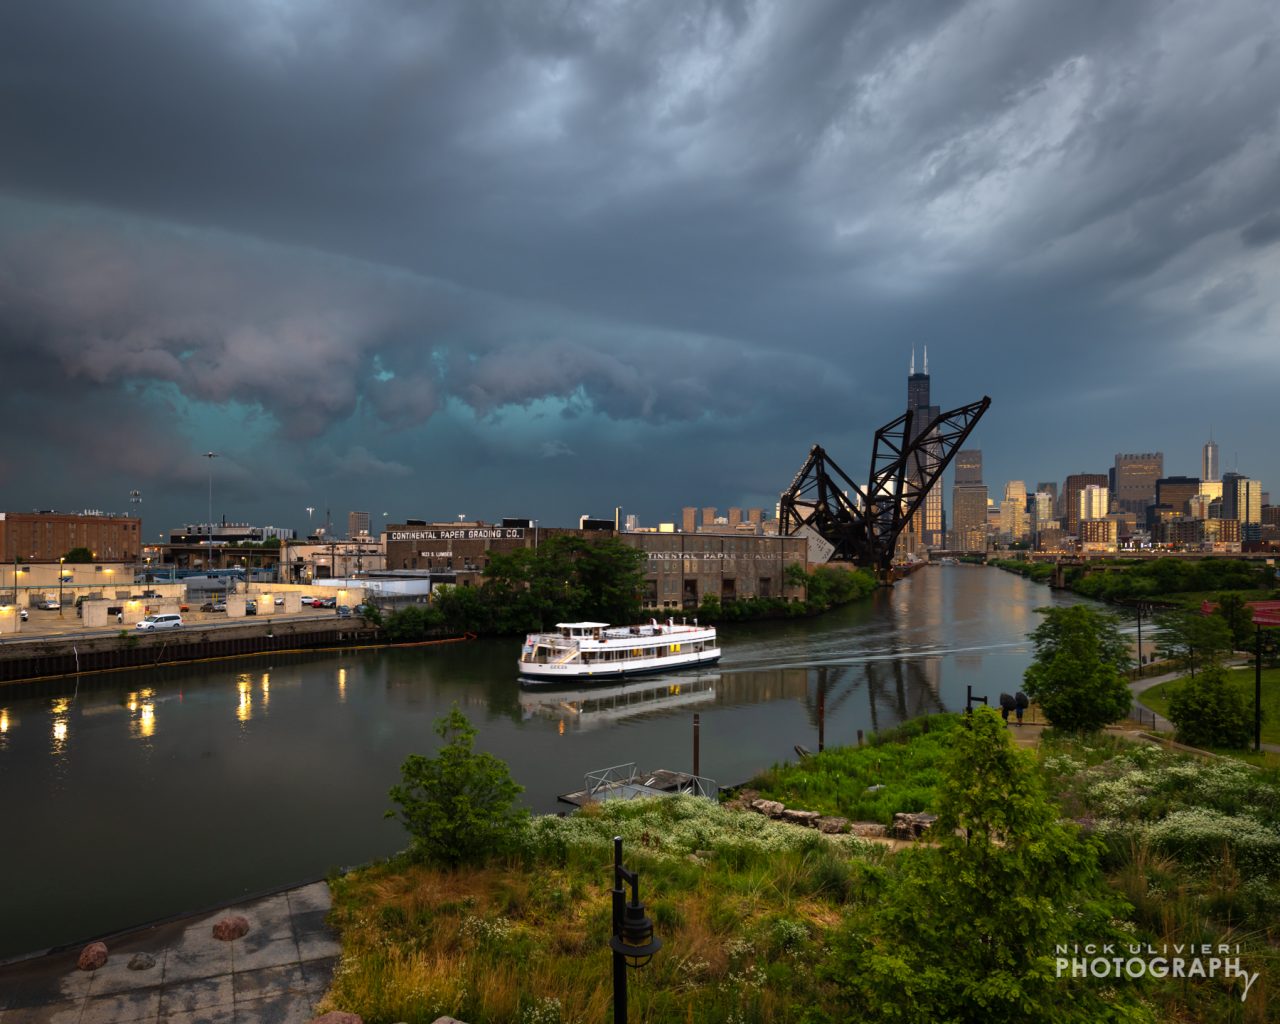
[344, 611]
[251, 607]
[279, 601]
[316, 602]
[167, 620]
[214, 606]
[22, 612]
[329, 602]
[50, 605]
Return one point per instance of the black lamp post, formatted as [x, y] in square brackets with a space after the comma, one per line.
[1142, 608]
[633, 941]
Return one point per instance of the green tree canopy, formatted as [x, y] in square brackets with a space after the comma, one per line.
[967, 928]
[1208, 711]
[1077, 675]
[459, 807]
[79, 556]
[1192, 640]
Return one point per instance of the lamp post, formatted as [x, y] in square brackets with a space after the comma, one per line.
[633, 941]
[1142, 609]
[61, 561]
[209, 560]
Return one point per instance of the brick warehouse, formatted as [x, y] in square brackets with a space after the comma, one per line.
[681, 569]
[48, 536]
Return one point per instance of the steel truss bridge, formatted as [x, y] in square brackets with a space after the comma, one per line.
[862, 524]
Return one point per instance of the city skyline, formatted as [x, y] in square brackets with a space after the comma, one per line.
[524, 261]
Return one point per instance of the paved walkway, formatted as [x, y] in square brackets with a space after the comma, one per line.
[1162, 724]
[276, 974]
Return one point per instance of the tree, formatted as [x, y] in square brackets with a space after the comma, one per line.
[1077, 675]
[459, 806]
[966, 928]
[1239, 619]
[1193, 640]
[1208, 711]
[79, 556]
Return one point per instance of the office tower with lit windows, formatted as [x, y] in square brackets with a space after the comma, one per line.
[1013, 511]
[1135, 481]
[1071, 489]
[357, 525]
[968, 503]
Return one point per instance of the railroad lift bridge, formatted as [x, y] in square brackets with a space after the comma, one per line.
[861, 525]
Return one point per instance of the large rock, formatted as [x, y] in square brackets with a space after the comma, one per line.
[231, 927]
[868, 829]
[92, 956]
[800, 817]
[142, 962]
[912, 824]
[770, 807]
[833, 826]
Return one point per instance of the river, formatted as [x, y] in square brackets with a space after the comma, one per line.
[133, 796]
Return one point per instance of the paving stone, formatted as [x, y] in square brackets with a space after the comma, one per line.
[116, 977]
[317, 975]
[213, 1015]
[311, 897]
[269, 982]
[199, 994]
[48, 1013]
[190, 966]
[122, 1007]
[288, 1008]
[270, 954]
[316, 947]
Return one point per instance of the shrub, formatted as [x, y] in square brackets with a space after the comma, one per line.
[459, 806]
[1209, 712]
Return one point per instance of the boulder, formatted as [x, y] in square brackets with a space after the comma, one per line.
[770, 807]
[912, 824]
[141, 962]
[868, 829]
[801, 817]
[231, 927]
[833, 826]
[92, 956]
[338, 1017]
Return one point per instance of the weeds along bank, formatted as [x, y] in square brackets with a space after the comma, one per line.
[1080, 843]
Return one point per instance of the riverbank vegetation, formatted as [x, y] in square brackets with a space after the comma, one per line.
[1242, 681]
[1088, 839]
[569, 579]
[896, 770]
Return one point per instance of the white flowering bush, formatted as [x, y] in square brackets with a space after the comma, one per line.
[1200, 835]
[674, 827]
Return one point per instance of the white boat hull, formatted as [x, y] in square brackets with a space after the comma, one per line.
[632, 667]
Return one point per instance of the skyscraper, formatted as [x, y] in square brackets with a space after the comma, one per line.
[968, 466]
[925, 527]
[1209, 460]
[1071, 489]
[1013, 511]
[1135, 485]
[1241, 498]
[969, 503]
[357, 525]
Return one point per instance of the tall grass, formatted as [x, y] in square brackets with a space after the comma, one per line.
[896, 771]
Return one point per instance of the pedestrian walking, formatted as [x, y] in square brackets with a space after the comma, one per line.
[1007, 704]
[1020, 703]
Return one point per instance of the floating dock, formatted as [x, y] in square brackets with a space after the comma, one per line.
[624, 782]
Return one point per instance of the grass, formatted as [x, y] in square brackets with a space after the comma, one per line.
[903, 762]
[743, 905]
[750, 910]
[1157, 698]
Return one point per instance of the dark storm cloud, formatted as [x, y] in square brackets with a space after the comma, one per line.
[365, 218]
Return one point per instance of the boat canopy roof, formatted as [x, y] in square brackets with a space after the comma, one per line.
[581, 625]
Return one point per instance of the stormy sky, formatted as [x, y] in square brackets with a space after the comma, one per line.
[542, 259]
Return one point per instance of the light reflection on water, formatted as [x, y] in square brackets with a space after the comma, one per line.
[245, 800]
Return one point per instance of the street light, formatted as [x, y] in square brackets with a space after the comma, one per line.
[633, 941]
[209, 560]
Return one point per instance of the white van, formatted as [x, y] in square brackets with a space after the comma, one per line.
[160, 622]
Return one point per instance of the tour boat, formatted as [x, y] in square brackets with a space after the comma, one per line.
[595, 650]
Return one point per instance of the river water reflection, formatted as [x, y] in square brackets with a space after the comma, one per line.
[141, 795]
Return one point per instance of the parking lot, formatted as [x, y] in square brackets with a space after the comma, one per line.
[65, 622]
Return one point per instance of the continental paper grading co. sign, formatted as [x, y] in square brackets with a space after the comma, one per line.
[475, 533]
